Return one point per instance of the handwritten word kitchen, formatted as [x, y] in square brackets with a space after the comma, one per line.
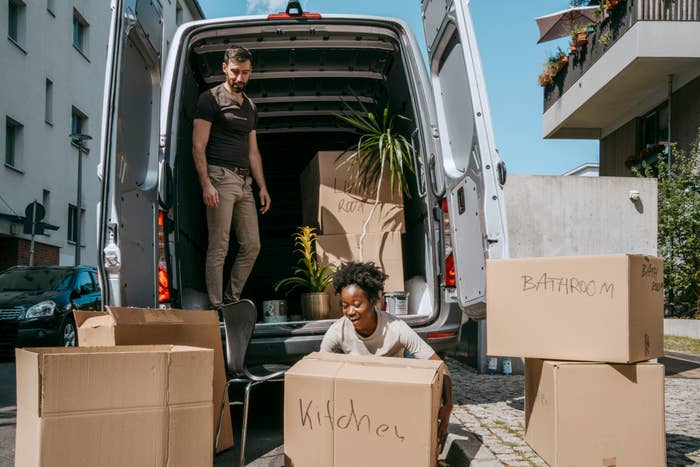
[567, 286]
[313, 417]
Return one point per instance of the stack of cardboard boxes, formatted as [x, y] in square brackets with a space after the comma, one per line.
[586, 326]
[144, 388]
[330, 204]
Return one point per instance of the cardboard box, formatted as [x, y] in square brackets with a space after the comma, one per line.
[330, 204]
[114, 406]
[591, 308]
[139, 326]
[384, 249]
[345, 411]
[584, 414]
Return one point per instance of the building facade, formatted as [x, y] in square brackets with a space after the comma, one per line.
[635, 85]
[53, 66]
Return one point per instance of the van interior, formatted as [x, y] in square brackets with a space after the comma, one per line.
[303, 76]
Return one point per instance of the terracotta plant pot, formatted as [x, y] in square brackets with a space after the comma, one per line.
[581, 39]
[315, 306]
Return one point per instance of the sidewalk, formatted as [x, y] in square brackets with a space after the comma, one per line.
[488, 421]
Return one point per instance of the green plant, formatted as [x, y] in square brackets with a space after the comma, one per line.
[379, 148]
[679, 227]
[379, 151]
[604, 38]
[578, 3]
[309, 274]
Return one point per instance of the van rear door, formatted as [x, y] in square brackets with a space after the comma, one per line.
[128, 169]
[473, 190]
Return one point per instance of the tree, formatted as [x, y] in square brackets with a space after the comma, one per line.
[679, 227]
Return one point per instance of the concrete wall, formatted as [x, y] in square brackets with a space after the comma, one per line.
[563, 216]
[682, 327]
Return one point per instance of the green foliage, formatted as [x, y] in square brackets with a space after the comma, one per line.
[379, 148]
[308, 275]
[679, 227]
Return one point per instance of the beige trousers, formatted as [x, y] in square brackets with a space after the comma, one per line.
[236, 208]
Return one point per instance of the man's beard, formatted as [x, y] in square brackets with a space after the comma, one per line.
[237, 87]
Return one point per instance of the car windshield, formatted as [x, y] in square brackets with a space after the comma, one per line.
[35, 279]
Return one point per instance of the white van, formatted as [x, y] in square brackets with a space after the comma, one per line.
[152, 232]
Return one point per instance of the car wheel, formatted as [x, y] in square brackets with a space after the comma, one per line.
[69, 334]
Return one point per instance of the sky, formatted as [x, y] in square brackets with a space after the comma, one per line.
[506, 35]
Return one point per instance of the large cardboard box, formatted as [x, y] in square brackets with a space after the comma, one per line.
[114, 406]
[591, 308]
[584, 414]
[384, 249]
[330, 204]
[143, 326]
[345, 411]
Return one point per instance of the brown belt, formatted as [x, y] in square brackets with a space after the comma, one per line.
[240, 171]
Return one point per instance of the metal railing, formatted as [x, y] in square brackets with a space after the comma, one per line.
[618, 21]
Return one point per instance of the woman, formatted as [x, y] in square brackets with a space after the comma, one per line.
[364, 330]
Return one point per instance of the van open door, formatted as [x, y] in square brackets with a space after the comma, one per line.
[474, 173]
[127, 213]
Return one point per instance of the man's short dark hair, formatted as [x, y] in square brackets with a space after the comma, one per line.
[237, 53]
[366, 276]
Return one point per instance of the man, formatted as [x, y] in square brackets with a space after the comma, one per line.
[225, 151]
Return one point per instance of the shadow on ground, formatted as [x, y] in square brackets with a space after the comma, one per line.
[677, 448]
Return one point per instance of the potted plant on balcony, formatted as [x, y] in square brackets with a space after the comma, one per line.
[552, 67]
[610, 4]
[579, 36]
[310, 276]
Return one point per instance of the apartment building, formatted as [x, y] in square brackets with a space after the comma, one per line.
[634, 86]
[52, 70]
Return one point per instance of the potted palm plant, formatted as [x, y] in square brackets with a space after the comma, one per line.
[380, 151]
[309, 276]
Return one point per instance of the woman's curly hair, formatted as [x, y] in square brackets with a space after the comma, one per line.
[367, 276]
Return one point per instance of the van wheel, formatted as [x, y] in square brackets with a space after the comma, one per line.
[69, 334]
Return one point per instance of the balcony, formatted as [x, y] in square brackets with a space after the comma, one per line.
[624, 69]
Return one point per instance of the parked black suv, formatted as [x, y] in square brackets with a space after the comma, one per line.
[37, 303]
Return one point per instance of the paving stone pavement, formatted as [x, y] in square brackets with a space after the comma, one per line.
[492, 408]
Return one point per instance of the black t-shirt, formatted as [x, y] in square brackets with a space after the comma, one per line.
[231, 125]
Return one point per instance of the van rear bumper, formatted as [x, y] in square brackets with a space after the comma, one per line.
[290, 349]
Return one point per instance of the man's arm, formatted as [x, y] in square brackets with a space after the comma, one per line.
[256, 169]
[200, 138]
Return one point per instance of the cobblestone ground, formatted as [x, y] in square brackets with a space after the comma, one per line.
[492, 407]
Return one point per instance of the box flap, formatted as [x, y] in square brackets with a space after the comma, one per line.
[156, 316]
[92, 318]
[82, 380]
[190, 375]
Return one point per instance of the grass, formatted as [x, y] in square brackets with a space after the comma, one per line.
[682, 344]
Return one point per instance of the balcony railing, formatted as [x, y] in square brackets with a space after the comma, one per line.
[617, 22]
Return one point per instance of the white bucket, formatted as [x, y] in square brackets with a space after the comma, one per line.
[274, 311]
[396, 303]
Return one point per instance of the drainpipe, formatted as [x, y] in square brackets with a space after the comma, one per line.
[668, 138]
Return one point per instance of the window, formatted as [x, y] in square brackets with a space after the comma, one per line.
[15, 21]
[178, 14]
[74, 222]
[13, 142]
[78, 122]
[654, 126]
[48, 104]
[84, 283]
[80, 32]
[46, 200]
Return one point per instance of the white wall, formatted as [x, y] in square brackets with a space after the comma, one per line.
[48, 160]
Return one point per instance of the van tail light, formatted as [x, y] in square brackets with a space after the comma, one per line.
[162, 279]
[163, 285]
[288, 16]
[296, 6]
[450, 276]
[444, 205]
